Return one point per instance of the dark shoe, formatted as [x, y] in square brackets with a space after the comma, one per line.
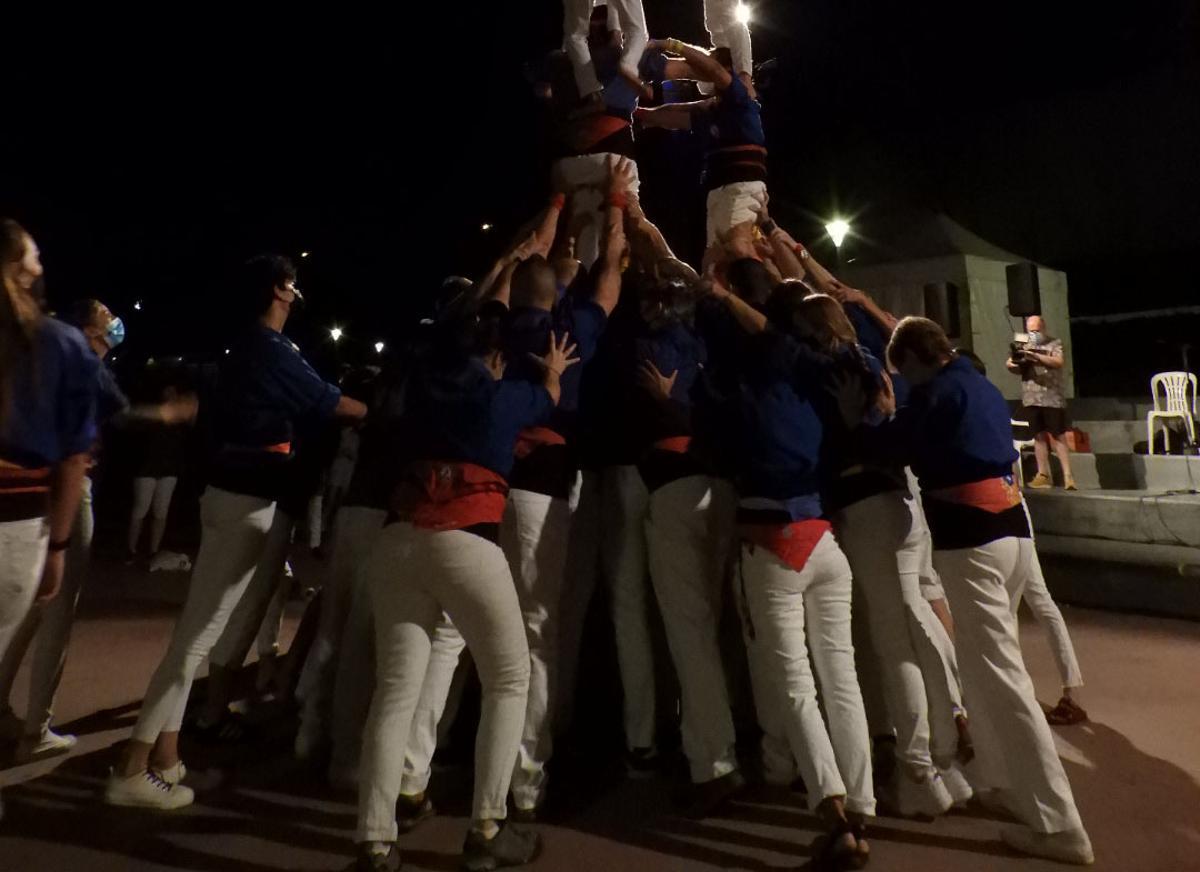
[512, 846]
[642, 762]
[367, 862]
[844, 847]
[706, 798]
[1066, 713]
[412, 810]
[231, 729]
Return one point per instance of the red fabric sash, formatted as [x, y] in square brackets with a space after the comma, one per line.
[674, 444]
[594, 129]
[532, 438]
[993, 495]
[792, 543]
[16, 479]
[448, 495]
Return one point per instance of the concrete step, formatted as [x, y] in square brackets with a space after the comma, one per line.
[1113, 437]
[1141, 517]
[1087, 476]
[1157, 472]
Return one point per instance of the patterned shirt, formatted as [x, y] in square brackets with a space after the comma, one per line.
[1041, 385]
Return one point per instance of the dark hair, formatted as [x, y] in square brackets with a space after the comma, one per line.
[667, 302]
[534, 284]
[722, 55]
[920, 337]
[826, 323]
[82, 313]
[782, 306]
[259, 278]
[19, 311]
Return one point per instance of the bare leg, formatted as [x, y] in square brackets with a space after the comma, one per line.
[1063, 452]
[1041, 453]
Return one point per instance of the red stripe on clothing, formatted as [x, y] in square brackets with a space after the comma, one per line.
[674, 444]
[449, 495]
[535, 437]
[993, 495]
[792, 543]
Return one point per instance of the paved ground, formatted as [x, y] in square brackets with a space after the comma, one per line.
[1135, 770]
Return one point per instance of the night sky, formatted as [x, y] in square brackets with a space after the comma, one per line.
[148, 155]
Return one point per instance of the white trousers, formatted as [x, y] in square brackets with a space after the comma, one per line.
[688, 529]
[355, 529]
[584, 178]
[734, 204]
[1014, 746]
[624, 563]
[413, 576]
[445, 655]
[883, 545]
[795, 615]
[234, 530]
[534, 535]
[582, 575]
[151, 496]
[23, 544]
[720, 20]
[259, 611]
[1036, 595]
[577, 14]
[48, 627]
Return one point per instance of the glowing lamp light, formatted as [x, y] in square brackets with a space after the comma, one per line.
[379, 348]
[304, 254]
[742, 13]
[137, 307]
[226, 350]
[838, 230]
[335, 333]
[485, 227]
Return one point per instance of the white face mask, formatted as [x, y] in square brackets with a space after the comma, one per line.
[1036, 337]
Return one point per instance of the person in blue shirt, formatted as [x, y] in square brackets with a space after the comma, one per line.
[462, 423]
[47, 428]
[730, 123]
[263, 390]
[956, 432]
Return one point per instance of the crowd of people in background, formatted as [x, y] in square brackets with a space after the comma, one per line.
[594, 412]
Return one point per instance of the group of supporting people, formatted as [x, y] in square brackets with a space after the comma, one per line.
[595, 411]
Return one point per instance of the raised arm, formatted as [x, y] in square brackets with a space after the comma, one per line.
[702, 64]
[646, 240]
[608, 280]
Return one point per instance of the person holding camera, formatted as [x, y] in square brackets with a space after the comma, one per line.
[1039, 362]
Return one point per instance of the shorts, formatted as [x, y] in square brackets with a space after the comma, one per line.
[1045, 419]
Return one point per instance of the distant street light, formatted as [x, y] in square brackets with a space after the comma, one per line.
[137, 307]
[226, 350]
[335, 333]
[742, 13]
[304, 254]
[838, 230]
[485, 227]
[379, 348]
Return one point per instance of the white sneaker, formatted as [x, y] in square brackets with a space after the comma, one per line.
[146, 789]
[957, 784]
[48, 744]
[173, 774]
[928, 798]
[1069, 846]
[12, 728]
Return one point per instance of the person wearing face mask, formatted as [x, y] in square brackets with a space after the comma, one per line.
[47, 428]
[1043, 401]
[955, 431]
[51, 624]
[264, 389]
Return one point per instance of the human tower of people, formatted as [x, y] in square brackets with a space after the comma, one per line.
[593, 410]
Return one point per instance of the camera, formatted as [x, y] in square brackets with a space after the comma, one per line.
[1018, 347]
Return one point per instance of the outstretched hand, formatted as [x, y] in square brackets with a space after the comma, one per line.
[558, 359]
[621, 175]
[654, 381]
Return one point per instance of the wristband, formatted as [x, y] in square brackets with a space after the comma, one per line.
[618, 199]
[61, 545]
[558, 200]
[801, 251]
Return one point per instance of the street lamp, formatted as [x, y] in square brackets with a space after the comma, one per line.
[304, 254]
[379, 348]
[838, 229]
[137, 307]
[485, 227]
[742, 13]
[335, 333]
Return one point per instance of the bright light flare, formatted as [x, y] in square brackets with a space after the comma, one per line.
[742, 13]
[304, 254]
[379, 348]
[838, 230]
[335, 333]
[137, 307]
[485, 227]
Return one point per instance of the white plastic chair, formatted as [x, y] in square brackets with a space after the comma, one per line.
[1175, 389]
[1019, 445]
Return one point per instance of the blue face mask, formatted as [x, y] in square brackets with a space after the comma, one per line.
[115, 334]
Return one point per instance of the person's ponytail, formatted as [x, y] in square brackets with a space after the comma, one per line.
[19, 312]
